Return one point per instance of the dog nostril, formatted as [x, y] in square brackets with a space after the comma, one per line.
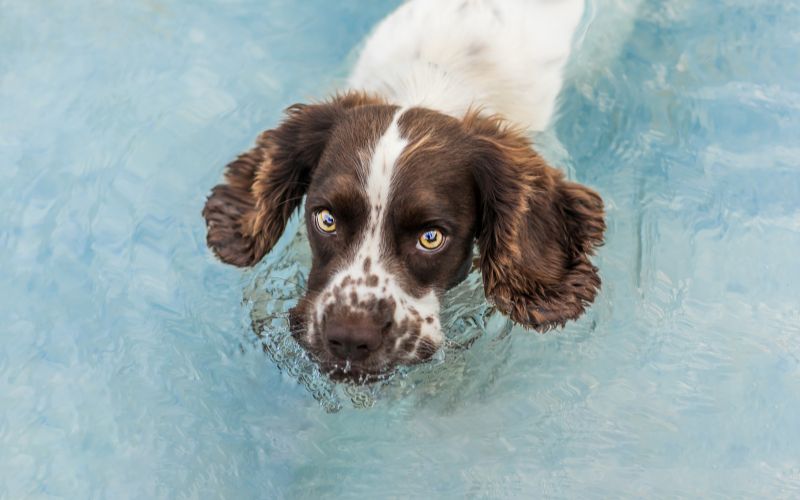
[354, 341]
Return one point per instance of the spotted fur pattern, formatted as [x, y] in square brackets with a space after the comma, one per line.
[364, 286]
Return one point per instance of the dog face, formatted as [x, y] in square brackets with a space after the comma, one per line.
[391, 223]
[395, 199]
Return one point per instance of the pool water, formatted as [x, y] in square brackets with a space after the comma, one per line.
[134, 365]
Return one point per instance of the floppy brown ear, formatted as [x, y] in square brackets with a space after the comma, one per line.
[247, 214]
[537, 230]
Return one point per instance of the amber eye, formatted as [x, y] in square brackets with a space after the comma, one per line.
[325, 220]
[430, 240]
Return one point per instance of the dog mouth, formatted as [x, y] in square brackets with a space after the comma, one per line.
[339, 370]
[379, 366]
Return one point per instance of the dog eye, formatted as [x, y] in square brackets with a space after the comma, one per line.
[430, 240]
[325, 220]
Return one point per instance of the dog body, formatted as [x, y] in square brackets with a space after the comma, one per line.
[404, 172]
[503, 56]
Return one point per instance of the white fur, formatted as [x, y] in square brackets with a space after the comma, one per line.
[506, 56]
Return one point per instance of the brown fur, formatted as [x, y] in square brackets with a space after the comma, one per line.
[537, 230]
[247, 214]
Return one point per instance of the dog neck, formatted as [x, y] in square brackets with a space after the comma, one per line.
[503, 58]
[430, 85]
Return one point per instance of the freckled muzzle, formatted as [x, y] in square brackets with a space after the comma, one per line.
[358, 331]
[353, 334]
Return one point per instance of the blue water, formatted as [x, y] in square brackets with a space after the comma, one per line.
[129, 367]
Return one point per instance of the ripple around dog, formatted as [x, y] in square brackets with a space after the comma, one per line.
[273, 289]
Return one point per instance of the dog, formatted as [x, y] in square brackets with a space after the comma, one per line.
[425, 154]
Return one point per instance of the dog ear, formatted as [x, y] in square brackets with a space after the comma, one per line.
[536, 232]
[247, 214]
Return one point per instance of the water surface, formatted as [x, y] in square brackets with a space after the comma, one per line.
[128, 363]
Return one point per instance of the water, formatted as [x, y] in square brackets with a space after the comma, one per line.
[129, 367]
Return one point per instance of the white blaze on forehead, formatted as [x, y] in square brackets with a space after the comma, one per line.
[378, 180]
[381, 169]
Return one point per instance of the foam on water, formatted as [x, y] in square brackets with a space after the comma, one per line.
[130, 361]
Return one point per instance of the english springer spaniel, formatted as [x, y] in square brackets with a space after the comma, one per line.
[425, 154]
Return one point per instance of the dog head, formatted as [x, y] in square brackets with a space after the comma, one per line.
[394, 202]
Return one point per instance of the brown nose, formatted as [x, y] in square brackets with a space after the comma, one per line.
[354, 339]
